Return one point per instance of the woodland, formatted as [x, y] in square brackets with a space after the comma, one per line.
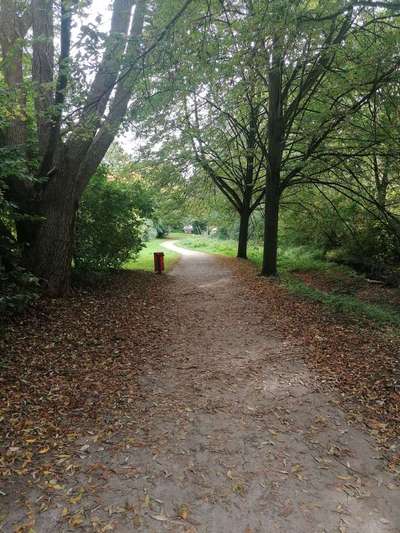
[270, 128]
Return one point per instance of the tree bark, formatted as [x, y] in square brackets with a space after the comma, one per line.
[243, 233]
[270, 256]
[43, 67]
[275, 147]
[50, 255]
[12, 34]
[245, 212]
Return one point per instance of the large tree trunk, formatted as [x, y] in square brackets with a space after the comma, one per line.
[50, 254]
[270, 257]
[275, 146]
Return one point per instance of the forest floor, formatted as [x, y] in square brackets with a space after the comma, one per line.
[204, 400]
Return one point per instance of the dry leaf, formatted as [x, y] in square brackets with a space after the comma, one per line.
[183, 512]
[76, 520]
[159, 517]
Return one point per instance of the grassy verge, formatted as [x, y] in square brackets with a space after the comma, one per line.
[290, 259]
[145, 260]
[300, 259]
[343, 303]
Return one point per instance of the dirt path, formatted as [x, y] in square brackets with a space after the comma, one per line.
[234, 434]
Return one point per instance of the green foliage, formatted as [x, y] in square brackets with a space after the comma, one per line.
[109, 228]
[199, 226]
[369, 249]
[18, 287]
[304, 258]
[149, 230]
[342, 230]
[162, 230]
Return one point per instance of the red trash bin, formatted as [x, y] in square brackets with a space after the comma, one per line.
[158, 262]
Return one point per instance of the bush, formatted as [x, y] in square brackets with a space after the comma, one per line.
[18, 288]
[301, 258]
[109, 229]
[150, 231]
[347, 234]
[162, 230]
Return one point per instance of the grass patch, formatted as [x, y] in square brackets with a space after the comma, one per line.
[302, 258]
[290, 259]
[145, 260]
[209, 245]
[295, 259]
[343, 303]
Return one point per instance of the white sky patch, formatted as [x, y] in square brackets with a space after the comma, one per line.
[102, 8]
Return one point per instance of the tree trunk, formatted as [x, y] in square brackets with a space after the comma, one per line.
[246, 210]
[12, 50]
[269, 266]
[50, 255]
[43, 67]
[275, 147]
[243, 233]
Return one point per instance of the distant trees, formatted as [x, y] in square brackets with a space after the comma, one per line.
[310, 68]
[224, 144]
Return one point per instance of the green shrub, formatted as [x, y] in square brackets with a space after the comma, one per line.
[295, 258]
[18, 288]
[161, 229]
[109, 229]
[343, 230]
[149, 230]
[199, 226]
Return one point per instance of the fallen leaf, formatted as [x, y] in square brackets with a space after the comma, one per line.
[183, 512]
[44, 450]
[159, 517]
[76, 520]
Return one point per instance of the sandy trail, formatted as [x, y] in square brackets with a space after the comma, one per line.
[232, 432]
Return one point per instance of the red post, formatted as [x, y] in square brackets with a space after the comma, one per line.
[158, 262]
